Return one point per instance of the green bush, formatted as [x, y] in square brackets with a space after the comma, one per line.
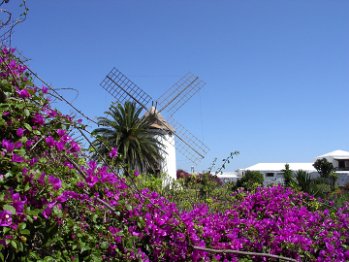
[250, 180]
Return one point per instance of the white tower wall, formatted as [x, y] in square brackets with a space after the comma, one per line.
[169, 163]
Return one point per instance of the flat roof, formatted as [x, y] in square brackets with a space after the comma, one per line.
[281, 166]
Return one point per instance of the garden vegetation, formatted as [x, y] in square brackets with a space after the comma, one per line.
[58, 204]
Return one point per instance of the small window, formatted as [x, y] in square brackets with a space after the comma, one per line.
[269, 174]
[341, 163]
[346, 163]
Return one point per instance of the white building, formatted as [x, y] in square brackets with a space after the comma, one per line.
[227, 177]
[272, 172]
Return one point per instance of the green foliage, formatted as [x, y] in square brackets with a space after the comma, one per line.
[339, 197]
[132, 134]
[152, 182]
[326, 171]
[250, 180]
[318, 187]
[323, 167]
[187, 196]
[304, 181]
[287, 174]
[190, 190]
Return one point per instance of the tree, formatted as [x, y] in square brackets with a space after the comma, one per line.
[133, 135]
[326, 171]
[323, 167]
[250, 180]
[287, 173]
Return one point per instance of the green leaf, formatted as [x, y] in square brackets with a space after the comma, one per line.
[6, 230]
[21, 151]
[30, 219]
[22, 226]
[26, 112]
[27, 126]
[14, 244]
[10, 208]
[104, 245]
[27, 187]
[84, 248]
[37, 132]
[25, 232]
[24, 139]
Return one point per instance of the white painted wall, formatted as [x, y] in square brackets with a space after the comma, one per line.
[169, 165]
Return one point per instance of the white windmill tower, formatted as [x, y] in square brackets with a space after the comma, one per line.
[175, 135]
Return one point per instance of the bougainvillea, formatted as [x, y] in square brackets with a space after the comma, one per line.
[57, 204]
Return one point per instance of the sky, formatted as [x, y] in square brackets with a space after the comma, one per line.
[276, 71]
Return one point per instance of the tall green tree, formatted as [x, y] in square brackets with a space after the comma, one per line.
[133, 135]
[326, 171]
[323, 167]
[287, 174]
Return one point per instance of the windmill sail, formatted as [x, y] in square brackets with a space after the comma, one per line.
[189, 145]
[123, 89]
[175, 97]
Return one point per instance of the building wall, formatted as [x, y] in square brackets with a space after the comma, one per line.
[169, 164]
[277, 178]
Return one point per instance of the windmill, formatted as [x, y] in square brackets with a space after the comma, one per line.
[175, 135]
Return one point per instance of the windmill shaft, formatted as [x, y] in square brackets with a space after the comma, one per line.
[128, 93]
[174, 98]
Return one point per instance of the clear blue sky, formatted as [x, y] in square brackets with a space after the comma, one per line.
[277, 72]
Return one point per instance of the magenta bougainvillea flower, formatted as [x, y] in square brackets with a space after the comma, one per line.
[60, 145]
[74, 147]
[5, 218]
[24, 93]
[20, 132]
[55, 182]
[38, 119]
[61, 132]
[113, 152]
[8, 145]
[17, 158]
[18, 203]
[50, 141]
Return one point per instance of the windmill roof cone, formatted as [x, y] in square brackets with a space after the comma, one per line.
[160, 122]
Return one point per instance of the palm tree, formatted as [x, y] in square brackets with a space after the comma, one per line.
[315, 186]
[133, 135]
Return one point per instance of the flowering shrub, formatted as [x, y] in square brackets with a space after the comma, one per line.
[57, 205]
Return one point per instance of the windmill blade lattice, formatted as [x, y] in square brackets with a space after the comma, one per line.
[123, 89]
[175, 97]
[189, 145]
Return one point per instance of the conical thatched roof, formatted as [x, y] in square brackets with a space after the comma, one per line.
[160, 122]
